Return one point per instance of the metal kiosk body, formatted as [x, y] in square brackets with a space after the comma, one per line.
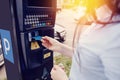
[22, 24]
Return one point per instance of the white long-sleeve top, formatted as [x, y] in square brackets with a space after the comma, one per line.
[97, 56]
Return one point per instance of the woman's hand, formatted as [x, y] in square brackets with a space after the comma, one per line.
[51, 43]
[57, 73]
[54, 45]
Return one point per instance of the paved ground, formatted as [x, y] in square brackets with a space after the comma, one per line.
[2, 73]
[66, 18]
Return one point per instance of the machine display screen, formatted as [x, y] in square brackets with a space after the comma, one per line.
[40, 3]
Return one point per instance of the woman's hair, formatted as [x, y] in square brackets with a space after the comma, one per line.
[114, 5]
[91, 6]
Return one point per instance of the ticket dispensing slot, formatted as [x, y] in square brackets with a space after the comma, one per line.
[47, 57]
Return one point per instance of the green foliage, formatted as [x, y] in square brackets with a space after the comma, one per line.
[5, 79]
[60, 59]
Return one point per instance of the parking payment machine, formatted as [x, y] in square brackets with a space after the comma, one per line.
[22, 25]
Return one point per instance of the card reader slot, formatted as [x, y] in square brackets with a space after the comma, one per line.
[34, 40]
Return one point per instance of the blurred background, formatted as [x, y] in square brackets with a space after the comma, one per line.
[68, 14]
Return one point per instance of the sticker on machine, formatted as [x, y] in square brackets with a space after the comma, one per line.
[7, 45]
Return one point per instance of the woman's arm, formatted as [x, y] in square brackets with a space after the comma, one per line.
[56, 46]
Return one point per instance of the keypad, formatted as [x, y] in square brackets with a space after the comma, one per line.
[35, 21]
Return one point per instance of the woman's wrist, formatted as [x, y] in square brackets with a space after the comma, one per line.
[59, 47]
[65, 50]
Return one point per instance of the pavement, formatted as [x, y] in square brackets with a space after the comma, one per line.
[65, 18]
[2, 73]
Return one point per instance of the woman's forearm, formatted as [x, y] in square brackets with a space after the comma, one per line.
[65, 50]
[56, 46]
